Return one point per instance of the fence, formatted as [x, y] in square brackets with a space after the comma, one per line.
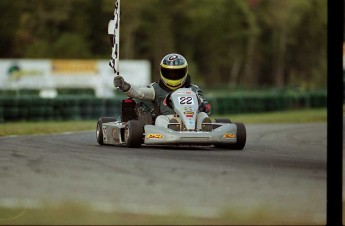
[267, 102]
[68, 107]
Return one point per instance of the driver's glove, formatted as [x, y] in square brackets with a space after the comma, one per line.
[204, 106]
[120, 83]
[207, 107]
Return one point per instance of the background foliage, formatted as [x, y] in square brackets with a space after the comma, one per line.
[228, 43]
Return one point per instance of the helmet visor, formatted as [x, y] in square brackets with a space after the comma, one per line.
[174, 74]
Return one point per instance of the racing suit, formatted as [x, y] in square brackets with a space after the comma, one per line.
[157, 92]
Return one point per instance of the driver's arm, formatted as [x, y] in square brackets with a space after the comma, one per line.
[141, 93]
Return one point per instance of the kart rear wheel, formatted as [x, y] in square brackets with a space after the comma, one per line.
[99, 131]
[133, 135]
[241, 139]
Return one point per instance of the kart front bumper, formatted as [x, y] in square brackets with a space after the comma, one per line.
[225, 134]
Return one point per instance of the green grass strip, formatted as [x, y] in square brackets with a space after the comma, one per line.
[293, 116]
[48, 127]
[71, 213]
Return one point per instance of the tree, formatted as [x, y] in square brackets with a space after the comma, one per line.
[308, 49]
[227, 43]
[9, 27]
[224, 40]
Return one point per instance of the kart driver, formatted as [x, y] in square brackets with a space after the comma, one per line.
[174, 75]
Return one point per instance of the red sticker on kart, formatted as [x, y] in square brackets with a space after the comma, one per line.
[229, 136]
[154, 136]
[189, 114]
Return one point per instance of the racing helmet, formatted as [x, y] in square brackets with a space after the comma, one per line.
[173, 70]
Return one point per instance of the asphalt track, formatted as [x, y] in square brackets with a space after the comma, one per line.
[282, 168]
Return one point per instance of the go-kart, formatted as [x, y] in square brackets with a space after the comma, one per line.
[136, 125]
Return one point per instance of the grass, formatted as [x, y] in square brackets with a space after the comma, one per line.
[72, 214]
[49, 127]
[293, 116]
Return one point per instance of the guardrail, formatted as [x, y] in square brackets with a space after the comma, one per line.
[34, 108]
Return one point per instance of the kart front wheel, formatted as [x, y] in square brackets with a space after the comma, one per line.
[99, 130]
[241, 139]
[134, 134]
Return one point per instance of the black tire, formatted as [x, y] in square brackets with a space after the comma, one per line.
[133, 135]
[99, 131]
[241, 139]
[241, 136]
[222, 120]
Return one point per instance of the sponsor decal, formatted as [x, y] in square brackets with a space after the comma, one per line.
[154, 136]
[74, 66]
[184, 92]
[188, 109]
[229, 136]
[189, 114]
[173, 57]
[15, 72]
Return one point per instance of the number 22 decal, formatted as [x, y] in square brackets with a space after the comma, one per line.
[186, 100]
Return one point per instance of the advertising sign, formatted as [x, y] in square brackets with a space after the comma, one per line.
[53, 74]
